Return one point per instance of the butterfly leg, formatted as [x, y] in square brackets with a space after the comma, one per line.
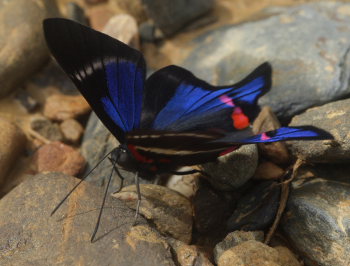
[119, 175]
[138, 197]
[102, 205]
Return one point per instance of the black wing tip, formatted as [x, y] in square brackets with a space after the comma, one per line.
[322, 134]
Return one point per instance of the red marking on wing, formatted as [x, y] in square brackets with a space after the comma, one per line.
[139, 156]
[240, 120]
[264, 136]
[229, 150]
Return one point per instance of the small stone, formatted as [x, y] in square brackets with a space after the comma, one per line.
[46, 128]
[23, 48]
[171, 20]
[27, 101]
[28, 233]
[94, 2]
[99, 16]
[256, 209]
[169, 211]
[133, 7]
[186, 185]
[124, 28]
[317, 216]
[332, 117]
[76, 13]
[58, 157]
[149, 33]
[277, 152]
[12, 143]
[72, 130]
[61, 107]
[234, 169]
[268, 171]
[235, 238]
[255, 253]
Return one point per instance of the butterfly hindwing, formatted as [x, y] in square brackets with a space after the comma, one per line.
[176, 100]
[108, 73]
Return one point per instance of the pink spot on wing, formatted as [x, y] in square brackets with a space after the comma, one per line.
[227, 100]
[264, 136]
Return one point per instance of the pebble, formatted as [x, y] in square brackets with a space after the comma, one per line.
[23, 49]
[58, 157]
[307, 45]
[60, 107]
[31, 235]
[135, 8]
[171, 20]
[47, 129]
[257, 208]
[255, 253]
[317, 218]
[99, 16]
[332, 117]
[26, 101]
[234, 169]
[12, 143]
[72, 130]
[168, 210]
[124, 28]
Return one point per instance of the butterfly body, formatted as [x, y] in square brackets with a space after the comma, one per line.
[170, 120]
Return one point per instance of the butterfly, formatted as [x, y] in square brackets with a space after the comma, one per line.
[170, 120]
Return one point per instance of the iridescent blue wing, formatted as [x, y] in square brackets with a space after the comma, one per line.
[108, 73]
[178, 101]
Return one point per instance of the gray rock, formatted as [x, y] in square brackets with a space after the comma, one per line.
[317, 221]
[171, 16]
[332, 117]
[23, 49]
[308, 46]
[46, 128]
[234, 169]
[28, 235]
[234, 239]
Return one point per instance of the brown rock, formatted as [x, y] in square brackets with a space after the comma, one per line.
[277, 152]
[72, 130]
[28, 235]
[46, 128]
[169, 211]
[268, 170]
[99, 16]
[58, 157]
[133, 7]
[12, 143]
[287, 257]
[124, 28]
[94, 2]
[61, 107]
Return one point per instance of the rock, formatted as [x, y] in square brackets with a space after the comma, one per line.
[26, 100]
[189, 254]
[72, 130]
[234, 169]
[61, 107]
[94, 2]
[168, 210]
[317, 220]
[235, 238]
[254, 253]
[76, 13]
[186, 185]
[31, 235]
[58, 157]
[277, 152]
[12, 143]
[149, 32]
[268, 171]
[308, 46]
[133, 7]
[256, 209]
[124, 28]
[287, 257]
[46, 128]
[332, 117]
[211, 209]
[23, 49]
[172, 16]
[99, 16]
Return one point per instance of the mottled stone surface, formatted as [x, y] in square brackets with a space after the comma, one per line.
[23, 49]
[168, 210]
[234, 169]
[317, 220]
[12, 143]
[72, 130]
[307, 45]
[29, 235]
[334, 118]
[47, 129]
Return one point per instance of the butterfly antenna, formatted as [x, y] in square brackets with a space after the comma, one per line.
[71, 191]
[103, 203]
[138, 197]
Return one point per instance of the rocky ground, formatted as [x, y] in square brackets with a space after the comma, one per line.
[248, 212]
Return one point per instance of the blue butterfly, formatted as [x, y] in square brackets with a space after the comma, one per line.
[170, 120]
